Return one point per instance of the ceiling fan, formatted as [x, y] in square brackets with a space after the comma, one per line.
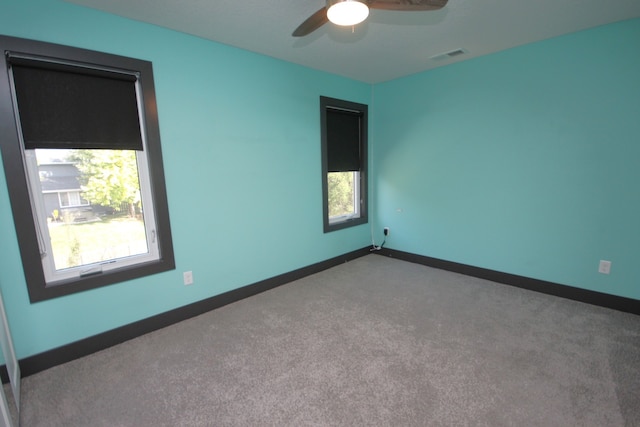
[352, 12]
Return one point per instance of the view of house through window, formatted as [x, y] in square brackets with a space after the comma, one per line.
[91, 203]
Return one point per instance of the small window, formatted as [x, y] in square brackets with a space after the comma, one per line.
[344, 161]
[84, 160]
[69, 199]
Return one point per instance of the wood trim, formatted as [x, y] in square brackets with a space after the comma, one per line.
[615, 302]
[326, 104]
[48, 359]
[40, 362]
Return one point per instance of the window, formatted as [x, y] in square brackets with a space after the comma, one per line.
[69, 199]
[82, 157]
[344, 161]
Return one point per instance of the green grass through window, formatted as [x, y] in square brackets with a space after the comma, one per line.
[76, 244]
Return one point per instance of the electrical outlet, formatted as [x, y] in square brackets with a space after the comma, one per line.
[605, 267]
[187, 277]
[386, 231]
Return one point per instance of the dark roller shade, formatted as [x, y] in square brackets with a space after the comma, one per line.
[343, 140]
[63, 106]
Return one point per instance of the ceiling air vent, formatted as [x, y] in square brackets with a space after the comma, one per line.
[450, 54]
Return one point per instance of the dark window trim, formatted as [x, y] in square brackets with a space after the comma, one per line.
[17, 181]
[353, 107]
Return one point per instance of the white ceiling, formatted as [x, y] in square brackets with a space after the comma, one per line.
[388, 44]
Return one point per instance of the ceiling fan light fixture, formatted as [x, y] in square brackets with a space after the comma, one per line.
[347, 12]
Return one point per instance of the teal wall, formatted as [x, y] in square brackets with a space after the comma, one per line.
[241, 144]
[524, 161]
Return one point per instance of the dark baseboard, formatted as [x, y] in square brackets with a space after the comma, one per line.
[42, 361]
[583, 295]
[39, 362]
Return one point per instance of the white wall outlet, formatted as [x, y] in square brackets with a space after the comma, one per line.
[187, 277]
[386, 231]
[605, 267]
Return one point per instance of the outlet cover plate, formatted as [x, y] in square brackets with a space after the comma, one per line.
[605, 267]
[187, 278]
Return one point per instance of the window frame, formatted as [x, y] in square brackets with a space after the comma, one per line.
[360, 216]
[17, 181]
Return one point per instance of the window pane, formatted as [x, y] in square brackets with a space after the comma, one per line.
[341, 192]
[112, 225]
[74, 198]
[64, 199]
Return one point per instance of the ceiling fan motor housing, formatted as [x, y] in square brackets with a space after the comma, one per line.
[347, 12]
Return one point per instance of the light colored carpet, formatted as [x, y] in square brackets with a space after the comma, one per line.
[375, 342]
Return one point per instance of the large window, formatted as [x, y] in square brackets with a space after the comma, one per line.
[82, 157]
[344, 160]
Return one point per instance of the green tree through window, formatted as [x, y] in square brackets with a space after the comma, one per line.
[341, 194]
[109, 177]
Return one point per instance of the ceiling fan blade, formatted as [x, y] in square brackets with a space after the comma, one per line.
[407, 5]
[312, 23]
